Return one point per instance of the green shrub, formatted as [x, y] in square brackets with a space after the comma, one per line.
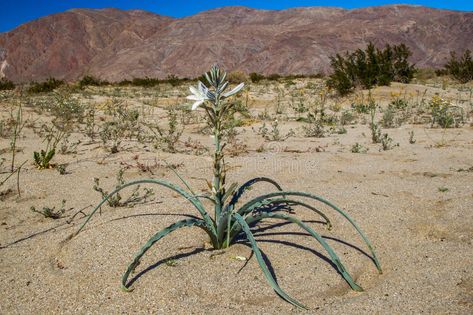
[347, 117]
[273, 77]
[6, 85]
[145, 82]
[168, 138]
[52, 213]
[117, 200]
[89, 80]
[358, 148]
[44, 87]
[387, 143]
[411, 137]
[174, 80]
[444, 114]
[399, 103]
[370, 67]
[122, 124]
[152, 82]
[256, 77]
[460, 69]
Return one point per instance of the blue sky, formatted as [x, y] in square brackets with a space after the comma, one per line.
[16, 12]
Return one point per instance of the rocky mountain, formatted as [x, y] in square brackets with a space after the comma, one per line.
[114, 44]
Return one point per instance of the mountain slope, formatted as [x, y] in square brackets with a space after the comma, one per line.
[114, 44]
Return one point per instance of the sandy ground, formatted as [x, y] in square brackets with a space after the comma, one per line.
[413, 203]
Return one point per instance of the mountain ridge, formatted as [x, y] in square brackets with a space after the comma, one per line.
[115, 44]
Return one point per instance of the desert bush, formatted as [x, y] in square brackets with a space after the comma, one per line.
[399, 103]
[347, 117]
[274, 133]
[91, 128]
[66, 110]
[168, 138]
[153, 82]
[412, 140]
[6, 85]
[13, 128]
[370, 67]
[173, 80]
[444, 114]
[274, 77]
[52, 135]
[396, 113]
[317, 119]
[235, 77]
[314, 130]
[123, 124]
[461, 68]
[117, 199]
[231, 220]
[51, 213]
[387, 142]
[145, 82]
[45, 87]
[374, 127]
[388, 120]
[89, 80]
[297, 103]
[358, 148]
[256, 77]
[360, 105]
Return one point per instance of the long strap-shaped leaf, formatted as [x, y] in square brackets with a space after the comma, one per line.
[293, 202]
[154, 239]
[236, 228]
[194, 200]
[224, 217]
[236, 196]
[335, 259]
[262, 263]
[244, 209]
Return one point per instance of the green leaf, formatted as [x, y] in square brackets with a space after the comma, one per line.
[193, 199]
[235, 229]
[37, 159]
[49, 156]
[262, 263]
[229, 191]
[335, 259]
[154, 239]
[223, 220]
[236, 196]
[243, 209]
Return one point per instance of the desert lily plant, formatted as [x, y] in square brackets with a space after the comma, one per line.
[231, 218]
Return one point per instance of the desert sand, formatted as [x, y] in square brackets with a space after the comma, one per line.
[414, 202]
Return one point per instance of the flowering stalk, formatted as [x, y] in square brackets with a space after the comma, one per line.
[216, 113]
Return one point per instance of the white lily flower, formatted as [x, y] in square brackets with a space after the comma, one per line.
[198, 95]
[197, 104]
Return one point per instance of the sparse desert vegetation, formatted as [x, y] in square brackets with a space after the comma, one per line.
[74, 144]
